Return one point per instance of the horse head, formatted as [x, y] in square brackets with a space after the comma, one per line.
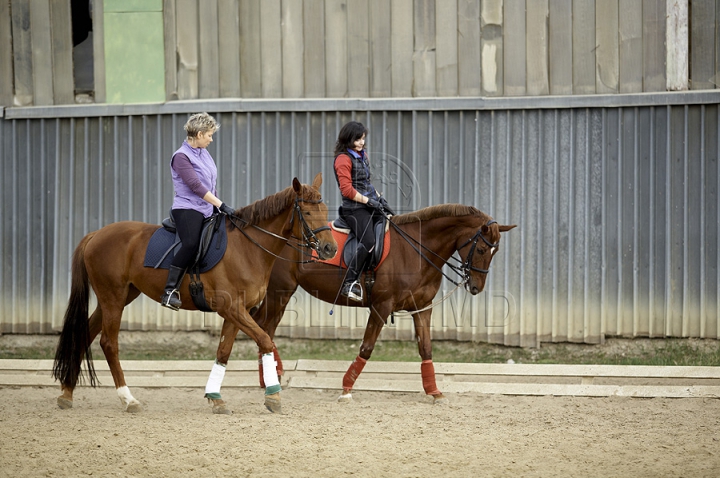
[479, 251]
[312, 214]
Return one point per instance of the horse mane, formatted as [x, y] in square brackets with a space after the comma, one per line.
[433, 212]
[266, 208]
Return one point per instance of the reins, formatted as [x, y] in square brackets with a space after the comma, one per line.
[464, 268]
[309, 235]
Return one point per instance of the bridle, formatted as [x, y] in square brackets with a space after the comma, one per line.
[467, 266]
[309, 236]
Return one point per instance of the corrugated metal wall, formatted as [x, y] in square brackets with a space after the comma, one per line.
[616, 199]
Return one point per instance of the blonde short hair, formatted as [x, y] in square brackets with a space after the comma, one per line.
[200, 123]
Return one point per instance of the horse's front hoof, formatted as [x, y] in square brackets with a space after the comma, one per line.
[272, 402]
[220, 408]
[134, 408]
[64, 403]
[440, 400]
[345, 398]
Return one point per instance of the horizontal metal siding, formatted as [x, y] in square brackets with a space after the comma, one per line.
[617, 210]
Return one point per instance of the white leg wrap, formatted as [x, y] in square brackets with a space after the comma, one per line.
[270, 375]
[215, 380]
[126, 397]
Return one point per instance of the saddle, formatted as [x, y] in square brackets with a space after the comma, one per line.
[165, 242]
[213, 242]
[351, 243]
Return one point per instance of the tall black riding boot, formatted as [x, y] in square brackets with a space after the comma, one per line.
[351, 288]
[171, 296]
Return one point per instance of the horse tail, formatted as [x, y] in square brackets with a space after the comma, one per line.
[75, 336]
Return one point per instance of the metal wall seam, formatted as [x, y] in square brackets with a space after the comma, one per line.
[717, 230]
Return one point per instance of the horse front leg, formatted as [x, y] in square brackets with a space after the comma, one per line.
[214, 383]
[268, 317]
[427, 369]
[376, 321]
[239, 320]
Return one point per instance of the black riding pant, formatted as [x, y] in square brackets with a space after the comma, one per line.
[189, 227]
[362, 222]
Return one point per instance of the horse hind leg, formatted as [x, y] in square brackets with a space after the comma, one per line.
[111, 318]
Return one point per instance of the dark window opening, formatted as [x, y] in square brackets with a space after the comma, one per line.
[82, 32]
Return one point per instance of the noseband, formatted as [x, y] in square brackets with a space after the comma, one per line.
[467, 266]
[308, 235]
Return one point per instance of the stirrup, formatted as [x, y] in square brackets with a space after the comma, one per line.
[351, 294]
[166, 298]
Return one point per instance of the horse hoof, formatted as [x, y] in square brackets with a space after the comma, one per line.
[220, 408]
[440, 400]
[272, 402]
[64, 403]
[134, 408]
[345, 398]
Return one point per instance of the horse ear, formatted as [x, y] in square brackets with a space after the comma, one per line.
[507, 228]
[297, 186]
[317, 182]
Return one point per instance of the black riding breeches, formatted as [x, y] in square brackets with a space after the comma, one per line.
[362, 222]
[189, 227]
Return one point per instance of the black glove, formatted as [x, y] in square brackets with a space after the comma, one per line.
[225, 209]
[386, 206]
[373, 203]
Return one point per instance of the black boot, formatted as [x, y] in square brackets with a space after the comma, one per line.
[351, 288]
[171, 296]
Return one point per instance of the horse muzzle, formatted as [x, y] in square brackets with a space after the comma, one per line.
[327, 250]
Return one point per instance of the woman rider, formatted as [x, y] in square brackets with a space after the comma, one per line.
[361, 204]
[194, 177]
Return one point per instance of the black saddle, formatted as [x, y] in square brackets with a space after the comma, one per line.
[165, 241]
[209, 228]
[351, 243]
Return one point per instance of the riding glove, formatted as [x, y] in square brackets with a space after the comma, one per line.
[225, 209]
[386, 206]
[373, 203]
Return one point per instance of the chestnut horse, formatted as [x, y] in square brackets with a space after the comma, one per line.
[409, 279]
[111, 261]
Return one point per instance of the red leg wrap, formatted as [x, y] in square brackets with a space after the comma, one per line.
[352, 373]
[280, 369]
[260, 369]
[427, 369]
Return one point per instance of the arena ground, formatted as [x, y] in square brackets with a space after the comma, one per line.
[378, 434]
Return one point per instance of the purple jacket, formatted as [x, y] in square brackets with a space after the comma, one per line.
[206, 171]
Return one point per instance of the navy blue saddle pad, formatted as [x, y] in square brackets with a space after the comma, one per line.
[162, 240]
